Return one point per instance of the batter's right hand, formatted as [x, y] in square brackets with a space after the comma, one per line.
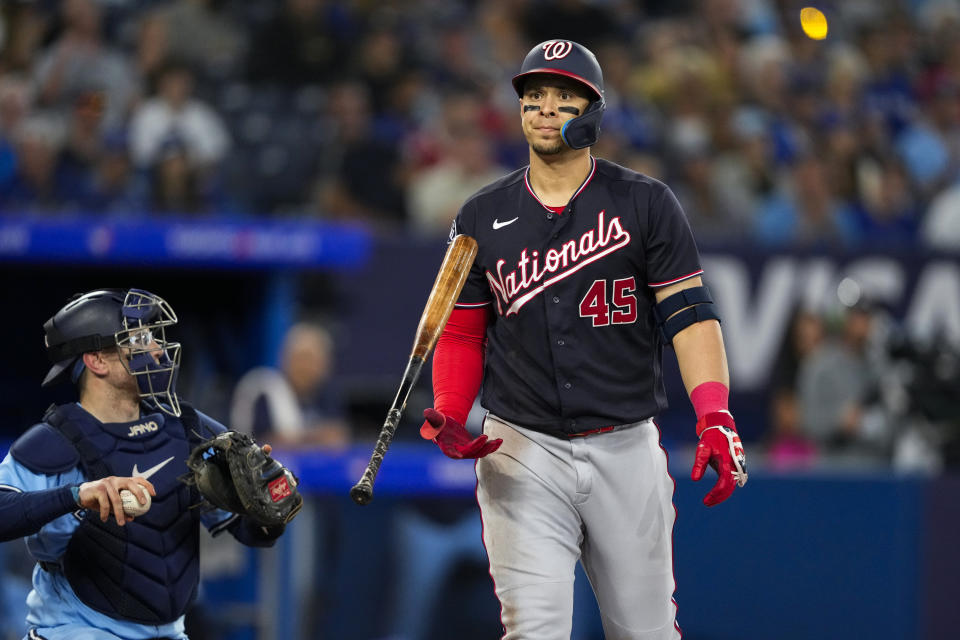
[453, 439]
[104, 495]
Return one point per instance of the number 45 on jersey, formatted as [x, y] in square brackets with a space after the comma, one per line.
[620, 308]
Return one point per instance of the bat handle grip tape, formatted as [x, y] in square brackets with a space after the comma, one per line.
[362, 492]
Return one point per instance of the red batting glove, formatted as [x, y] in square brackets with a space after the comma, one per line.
[453, 439]
[720, 447]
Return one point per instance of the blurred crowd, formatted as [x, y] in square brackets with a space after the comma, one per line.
[393, 111]
[850, 388]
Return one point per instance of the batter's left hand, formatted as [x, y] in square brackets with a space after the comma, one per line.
[453, 439]
[720, 447]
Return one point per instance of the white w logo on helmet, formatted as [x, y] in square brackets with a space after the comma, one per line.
[556, 49]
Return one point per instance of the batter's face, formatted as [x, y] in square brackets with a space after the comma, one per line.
[548, 102]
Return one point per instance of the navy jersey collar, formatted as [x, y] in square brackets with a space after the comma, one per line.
[586, 181]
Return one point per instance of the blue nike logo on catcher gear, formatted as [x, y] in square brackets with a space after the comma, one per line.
[152, 470]
[498, 225]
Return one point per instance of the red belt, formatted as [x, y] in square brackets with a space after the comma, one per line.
[590, 432]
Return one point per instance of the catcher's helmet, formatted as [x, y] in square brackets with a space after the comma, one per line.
[569, 59]
[133, 319]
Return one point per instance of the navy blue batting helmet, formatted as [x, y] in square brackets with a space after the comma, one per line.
[571, 60]
[132, 319]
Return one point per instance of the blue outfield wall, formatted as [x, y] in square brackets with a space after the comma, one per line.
[810, 558]
[788, 557]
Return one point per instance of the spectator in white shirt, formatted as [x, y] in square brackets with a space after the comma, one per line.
[174, 113]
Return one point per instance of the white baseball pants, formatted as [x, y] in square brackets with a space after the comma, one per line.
[605, 499]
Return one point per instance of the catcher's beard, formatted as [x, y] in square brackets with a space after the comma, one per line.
[123, 383]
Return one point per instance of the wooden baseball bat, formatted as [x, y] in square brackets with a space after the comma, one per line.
[446, 289]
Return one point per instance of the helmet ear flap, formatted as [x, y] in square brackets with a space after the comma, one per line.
[584, 130]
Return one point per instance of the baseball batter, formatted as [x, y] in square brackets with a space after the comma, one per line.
[585, 270]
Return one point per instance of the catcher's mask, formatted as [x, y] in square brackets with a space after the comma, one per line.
[132, 320]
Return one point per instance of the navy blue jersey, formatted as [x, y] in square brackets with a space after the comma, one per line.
[573, 345]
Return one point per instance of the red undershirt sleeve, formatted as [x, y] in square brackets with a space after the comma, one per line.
[458, 362]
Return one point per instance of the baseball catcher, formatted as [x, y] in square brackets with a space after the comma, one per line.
[235, 474]
[96, 488]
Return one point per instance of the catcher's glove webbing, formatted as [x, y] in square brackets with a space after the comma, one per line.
[233, 473]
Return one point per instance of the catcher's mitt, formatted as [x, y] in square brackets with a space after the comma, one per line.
[233, 473]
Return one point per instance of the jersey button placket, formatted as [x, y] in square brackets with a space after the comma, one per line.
[556, 326]
[557, 320]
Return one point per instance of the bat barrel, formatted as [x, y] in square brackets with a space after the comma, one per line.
[450, 280]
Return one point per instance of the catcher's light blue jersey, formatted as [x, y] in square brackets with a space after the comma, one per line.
[54, 610]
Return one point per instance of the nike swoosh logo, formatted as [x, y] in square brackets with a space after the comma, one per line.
[152, 470]
[500, 225]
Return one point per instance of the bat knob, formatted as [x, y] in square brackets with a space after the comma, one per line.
[361, 493]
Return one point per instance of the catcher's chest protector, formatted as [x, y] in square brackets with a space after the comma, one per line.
[146, 571]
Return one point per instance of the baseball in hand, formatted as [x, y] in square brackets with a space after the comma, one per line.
[132, 506]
